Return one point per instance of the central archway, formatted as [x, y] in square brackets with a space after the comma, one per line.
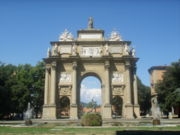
[90, 94]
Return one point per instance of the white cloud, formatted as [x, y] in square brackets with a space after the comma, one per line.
[87, 94]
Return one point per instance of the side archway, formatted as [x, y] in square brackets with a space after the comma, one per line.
[117, 105]
[64, 103]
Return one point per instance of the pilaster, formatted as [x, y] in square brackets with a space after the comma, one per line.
[49, 109]
[53, 83]
[128, 104]
[128, 83]
[46, 87]
[136, 105]
[73, 109]
[107, 114]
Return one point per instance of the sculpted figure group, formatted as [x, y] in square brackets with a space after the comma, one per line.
[67, 36]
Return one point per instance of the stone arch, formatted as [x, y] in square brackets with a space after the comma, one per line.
[91, 74]
[84, 76]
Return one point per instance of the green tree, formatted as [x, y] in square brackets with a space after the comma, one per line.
[18, 86]
[37, 89]
[20, 89]
[168, 88]
[144, 97]
[6, 72]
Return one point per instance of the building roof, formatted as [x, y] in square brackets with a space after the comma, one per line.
[157, 68]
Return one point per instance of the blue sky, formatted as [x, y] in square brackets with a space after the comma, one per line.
[153, 26]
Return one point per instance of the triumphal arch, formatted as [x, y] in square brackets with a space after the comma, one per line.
[69, 60]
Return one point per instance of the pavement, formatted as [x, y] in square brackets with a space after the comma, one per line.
[106, 122]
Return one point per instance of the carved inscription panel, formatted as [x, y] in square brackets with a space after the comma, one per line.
[65, 49]
[91, 51]
[116, 49]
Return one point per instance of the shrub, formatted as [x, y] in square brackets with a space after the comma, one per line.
[91, 119]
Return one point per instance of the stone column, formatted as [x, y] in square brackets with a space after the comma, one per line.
[135, 90]
[46, 87]
[128, 105]
[128, 84]
[107, 106]
[74, 74]
[136, 105]
[73, 109]
[107, 84]
[53, 84]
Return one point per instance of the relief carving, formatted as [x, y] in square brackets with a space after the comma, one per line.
[119, 90]
[74, 49]
[115, 36]
[106, 50]
[65, 90]
[117, 77]
[66, 36]
[55, 50]
[65, 78]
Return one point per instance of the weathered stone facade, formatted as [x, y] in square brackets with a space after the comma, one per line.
[70, 60]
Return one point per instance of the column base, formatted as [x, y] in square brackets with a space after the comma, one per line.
[107, 112]
[137, 111]
[49, 112]
[129, 111]
[74, 112]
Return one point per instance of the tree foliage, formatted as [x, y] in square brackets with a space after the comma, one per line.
[144, 97]
[169, 88]
[18, 86]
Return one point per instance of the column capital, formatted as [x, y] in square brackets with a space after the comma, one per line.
[127, 64]
[47, 68]
[53, 64]
[106, 65]
[74, 65]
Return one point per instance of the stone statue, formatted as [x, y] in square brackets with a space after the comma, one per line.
[133, 52]
[126, 49]
[90, 23]
[55, 50]
[48, 52]
[28, 115]
[115, 36]
[156, 114]
[93, 106]
[74, 49]
[106, 49]
[66, 36]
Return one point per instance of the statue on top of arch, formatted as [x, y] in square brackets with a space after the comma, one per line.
[115, 36]
[66, 36]
[90, 23]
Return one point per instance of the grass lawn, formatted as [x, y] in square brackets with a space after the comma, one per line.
[50, 129]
